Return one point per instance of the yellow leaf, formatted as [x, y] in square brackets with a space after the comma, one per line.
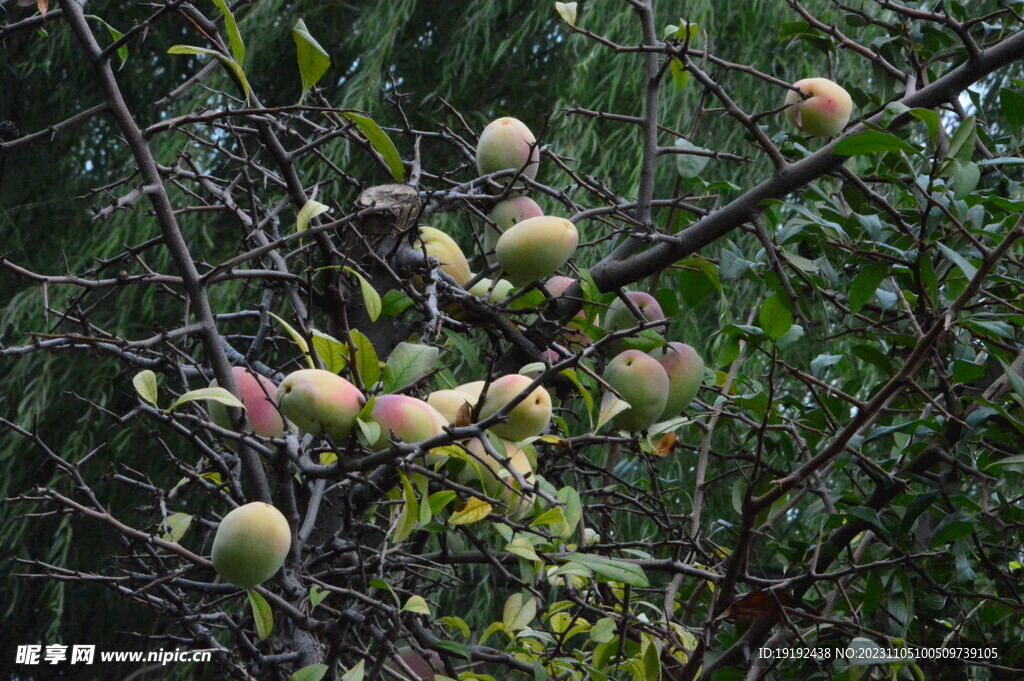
[473, 511]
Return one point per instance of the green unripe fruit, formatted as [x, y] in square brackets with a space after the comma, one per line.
[496, 293]
[528, 418]
[620, 317]
[535, 248]
[436, 244]
[642, 382]
[685, 369]
[507, 213]
[507, 144]
[320, 403]
[251, 544]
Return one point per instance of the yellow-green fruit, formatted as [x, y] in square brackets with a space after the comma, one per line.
[685, 369]
[449, 402]
[473, 389]
[507, 213]
[320, 403]
[507, 144]
[642, 382]
[436, 244]
[258, 394]
[535, 248]
[620, 317]
[405, 418]
[497, 481]
[496, 293]
[251, 544]
[825, 113]
[528, 418]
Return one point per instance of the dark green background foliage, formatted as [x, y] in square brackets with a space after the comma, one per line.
[840, 267]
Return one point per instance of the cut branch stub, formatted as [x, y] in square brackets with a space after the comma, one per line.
[397, 206]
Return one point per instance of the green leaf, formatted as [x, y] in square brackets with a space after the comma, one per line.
[930, 119]
[231, 63]
[967, 372]
[454, 622]
[410, 511]
[122, 52]
[145, 385]
[961, 145]
[689, 165]
[603, 630]
[774, 317]
[234, 37]
[213, 394]
[588, 399]
[473, 511]
[177, 524]
[651, 659]
[395, 302]
[522, 547]
[954, 526]
[965, 176]
[519, 611]
[423, 487]
[333, 354]
[381, 142]
[822, 362]
[416, 604]
[1012, 103]
[262, 614]
[572, 511]
[297, 337]
[313, 59]
[309, 211]
[453, 648]
[317, 594]
[356, 673]
[697, 279]
[611, 569]
[366, 359]
[378, 583]
[865, 284]
[192, 49]
[408, 363]
[370, 296]
[313, 672]
[1015, 379]
[439, 500]
[680, 76]
[960, 261]
[795, 333]
[552, 516]
[872, 142]
[1008, 461]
